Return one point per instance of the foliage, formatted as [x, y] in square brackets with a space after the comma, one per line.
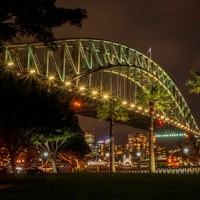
[35, 19]
[194, 83]
[112, 108]
[26, 112]
[152, 97]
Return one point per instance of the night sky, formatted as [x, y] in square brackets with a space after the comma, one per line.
[170, 28]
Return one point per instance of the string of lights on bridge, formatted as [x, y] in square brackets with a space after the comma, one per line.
[106, 96]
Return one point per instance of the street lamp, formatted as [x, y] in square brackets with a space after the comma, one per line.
[45, 154]
[186, 151]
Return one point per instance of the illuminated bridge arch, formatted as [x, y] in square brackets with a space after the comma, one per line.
[106, 67]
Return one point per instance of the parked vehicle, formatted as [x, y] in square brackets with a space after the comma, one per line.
[32, 170]
[46, 168]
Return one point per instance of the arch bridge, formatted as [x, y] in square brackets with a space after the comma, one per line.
[95, 69]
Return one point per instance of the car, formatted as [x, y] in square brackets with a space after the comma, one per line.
[46, 168]
[32, 170]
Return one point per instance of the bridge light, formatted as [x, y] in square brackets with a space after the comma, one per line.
[32, 71]
[124, 102]
[172, 120]
[140, 108]
[157, 115]
[95, 92]
[175, 122]
[179, 124]
[167, 119]
[51, 78]
[105, 96]
[68, 83]
[82, 88]
[146, 110]
[162, 117]
[10, 63]
[132, 105]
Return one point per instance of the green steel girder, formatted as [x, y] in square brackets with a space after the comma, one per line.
[80, 58]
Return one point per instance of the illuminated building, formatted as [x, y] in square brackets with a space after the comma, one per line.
[138, 145]
[161, 153]
[89, 137]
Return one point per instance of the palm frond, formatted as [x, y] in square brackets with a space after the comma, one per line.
[194, 83]
[153, 96]
[112, 108]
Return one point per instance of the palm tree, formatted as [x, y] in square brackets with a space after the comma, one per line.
[195, 83]
[152, 98]
[112, 110]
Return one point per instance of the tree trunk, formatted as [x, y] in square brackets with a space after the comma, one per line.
[13, 164]
[112, 146]
[53, 165]
[151, 145]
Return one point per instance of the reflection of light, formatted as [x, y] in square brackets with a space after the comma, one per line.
[68, 83]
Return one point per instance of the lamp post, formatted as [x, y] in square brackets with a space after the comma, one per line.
[107, 155]
[45, 155]
[186, 151]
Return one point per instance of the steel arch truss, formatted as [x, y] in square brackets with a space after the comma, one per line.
[78, 59]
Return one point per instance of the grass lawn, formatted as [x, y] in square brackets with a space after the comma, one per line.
[94, 186]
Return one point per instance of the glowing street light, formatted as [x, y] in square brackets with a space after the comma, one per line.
[10, 63]
[32, 71]
[45, 154]
[186, 150]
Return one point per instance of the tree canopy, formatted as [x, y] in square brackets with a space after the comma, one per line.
[112, 109]
[195, 82]
[152, 97]
[29, 111]
[35, 18]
